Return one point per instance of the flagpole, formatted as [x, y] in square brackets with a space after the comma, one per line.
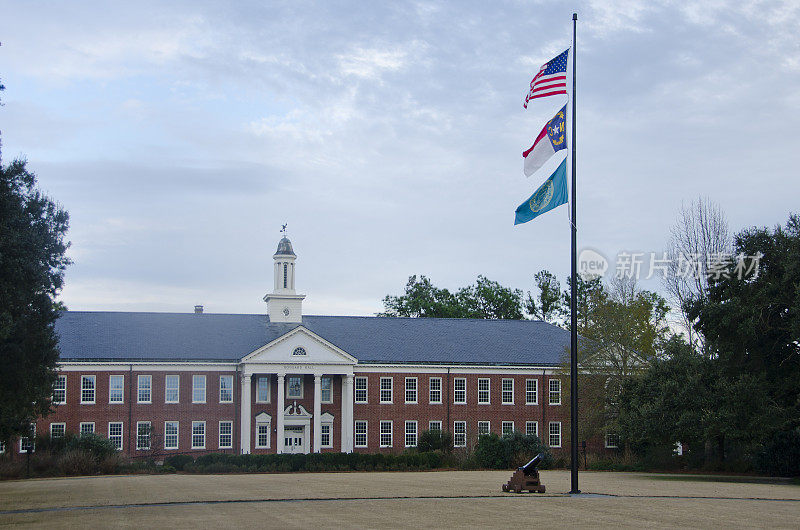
[573, 303]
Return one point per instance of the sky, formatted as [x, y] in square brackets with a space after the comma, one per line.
[180, 136]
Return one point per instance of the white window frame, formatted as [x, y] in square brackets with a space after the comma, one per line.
[551, 434]
[289, 395]
[556, 393]
[415, 390]
[608, 443]
[88, 424]
[488, 425]
[57, 387]
[484, 394]
[176, 435]
[93, 390]
[176, 388]
[266, 426]
[535, 428]
[413, 434]
[463, 382]
[140, 388]
[196, 424]
[267, 389]
[196, 388]
[431, 425]
[356, 434]
[30, 441]
[140, 424]
[322, 380]
[504, 393]
[431, 396]
[459, 431]
[116, 439]
[356, 390]
[228, 378]
[63, 429]
[383, 433]
[111, 379]
[535, 391]
[322, 426]
[229, 426]
[504, 425]
[389, 389]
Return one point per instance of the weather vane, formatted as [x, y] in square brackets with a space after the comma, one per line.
[283, 228]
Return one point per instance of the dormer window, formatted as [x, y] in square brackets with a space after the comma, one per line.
[299, 351]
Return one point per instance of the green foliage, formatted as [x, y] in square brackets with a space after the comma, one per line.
[485, 300]
[780, 455]
[178, 461]
[514, 450]
[548, 305]
[435, 441]
[32, 264]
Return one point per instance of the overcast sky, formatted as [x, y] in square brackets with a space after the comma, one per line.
[388, 135]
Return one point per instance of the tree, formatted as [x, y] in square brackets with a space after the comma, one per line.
[486, 300]
[548, 304]
[32, 264]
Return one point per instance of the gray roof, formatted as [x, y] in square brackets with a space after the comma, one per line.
[118, 336]
[285, 247]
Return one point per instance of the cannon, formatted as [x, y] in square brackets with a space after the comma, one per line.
[526, 477]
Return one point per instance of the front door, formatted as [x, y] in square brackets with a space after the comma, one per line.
[294, 440]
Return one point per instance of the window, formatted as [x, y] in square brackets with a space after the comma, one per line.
[262, 390]
[170, 435]
[361, 433]
[60, 390]
[411, 434]
[483, 391]
[263, 431]
[361, 389]
[507, 428]
[327, 389]
[142, 435]
[411, 389]
[172, 384]
[115, 434]
[198, 435]
[508, 391]
[299, 351]
[459, 434]
[484, 427]
[555, 434]
[116, 386]
[435, 426]
[2, 448]
[198, 389]
[57, 430]
[145, 388]
[459, 390]
[226, 435]
[87, 427]
[612, 441]
[435, 390]
[285, 274]
[87, 389]
[531, 392]
[531, 428]
[386, 389]
[555, 392]
[294, 387]
[386, 434]
[28, 443]
[327, 430]
[226, 389]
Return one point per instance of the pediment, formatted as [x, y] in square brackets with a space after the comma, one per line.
[296, 411]
[316, 349]
[263, 418]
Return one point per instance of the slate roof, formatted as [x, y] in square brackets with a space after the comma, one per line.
[121, 336]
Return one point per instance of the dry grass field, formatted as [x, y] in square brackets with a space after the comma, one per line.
[370, 500]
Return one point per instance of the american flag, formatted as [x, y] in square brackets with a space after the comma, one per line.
[551, 79]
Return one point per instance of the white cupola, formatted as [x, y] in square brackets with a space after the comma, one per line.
[283, 303]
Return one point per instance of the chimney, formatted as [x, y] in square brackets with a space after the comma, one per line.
[198, 309]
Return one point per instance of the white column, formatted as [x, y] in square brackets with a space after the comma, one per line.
[317, 413]
[247, 414]
[347, 413]
[279, 412]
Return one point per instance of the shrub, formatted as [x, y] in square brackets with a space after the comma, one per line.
[178, 461]
[512, 450]
[96, 446]
[780, 455]
[435, 441]
[77, 462]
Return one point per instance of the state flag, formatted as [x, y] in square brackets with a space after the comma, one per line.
[552, 139]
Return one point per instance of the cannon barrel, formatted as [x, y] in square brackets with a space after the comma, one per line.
[531, 466]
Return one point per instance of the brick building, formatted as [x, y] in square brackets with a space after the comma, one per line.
[287, 382]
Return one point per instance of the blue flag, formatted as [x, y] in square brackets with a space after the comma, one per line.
[549, 195]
